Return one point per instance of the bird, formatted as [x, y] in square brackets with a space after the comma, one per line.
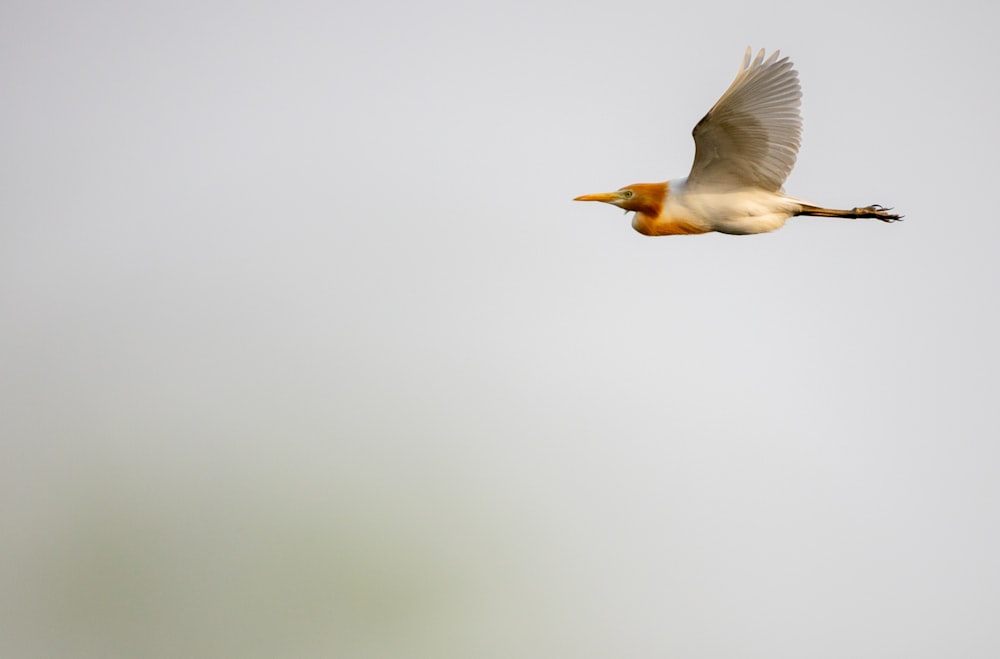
[745, 148]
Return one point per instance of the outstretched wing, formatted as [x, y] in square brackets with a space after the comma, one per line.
[751, 136]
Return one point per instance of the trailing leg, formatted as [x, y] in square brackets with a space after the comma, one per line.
[874, 211]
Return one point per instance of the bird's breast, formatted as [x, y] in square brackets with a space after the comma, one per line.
[666, 224]
[660, 211]
[733, 210]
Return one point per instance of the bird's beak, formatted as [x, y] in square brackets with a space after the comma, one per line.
[606, 197]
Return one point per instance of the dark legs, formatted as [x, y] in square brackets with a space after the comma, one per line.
[874, 211]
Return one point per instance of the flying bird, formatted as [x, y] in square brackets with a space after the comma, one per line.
[745, 148]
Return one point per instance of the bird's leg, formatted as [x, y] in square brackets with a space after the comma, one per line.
[874, 211]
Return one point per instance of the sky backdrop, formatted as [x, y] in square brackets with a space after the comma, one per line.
[306, 351]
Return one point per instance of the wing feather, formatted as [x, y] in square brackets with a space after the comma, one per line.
[751, 135]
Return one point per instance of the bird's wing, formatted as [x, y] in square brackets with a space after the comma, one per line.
[751, 136]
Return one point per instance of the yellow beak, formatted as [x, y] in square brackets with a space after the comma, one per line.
[606, 197]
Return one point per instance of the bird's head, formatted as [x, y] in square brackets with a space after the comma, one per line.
[645, 198]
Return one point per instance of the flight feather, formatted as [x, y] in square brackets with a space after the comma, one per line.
[751, 136]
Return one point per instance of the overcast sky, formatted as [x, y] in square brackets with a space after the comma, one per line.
[306, 351]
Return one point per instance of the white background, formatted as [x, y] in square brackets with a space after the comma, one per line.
[306, 351]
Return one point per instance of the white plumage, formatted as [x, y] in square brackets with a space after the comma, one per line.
[752, 134]
[745, 148]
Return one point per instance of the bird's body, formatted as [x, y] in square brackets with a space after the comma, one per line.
[745, 148]
[728, 210]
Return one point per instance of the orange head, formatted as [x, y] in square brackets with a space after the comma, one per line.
[644, 198]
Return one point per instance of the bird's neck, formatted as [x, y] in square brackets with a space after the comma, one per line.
[655, 217]
[648, 199]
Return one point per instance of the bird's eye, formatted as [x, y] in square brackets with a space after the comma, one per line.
[627, 194]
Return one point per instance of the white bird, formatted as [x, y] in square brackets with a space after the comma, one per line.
[745, 147]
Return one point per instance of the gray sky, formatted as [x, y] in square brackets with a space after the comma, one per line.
[306, 351]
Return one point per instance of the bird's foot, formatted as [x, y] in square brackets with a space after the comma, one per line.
[878, 212]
